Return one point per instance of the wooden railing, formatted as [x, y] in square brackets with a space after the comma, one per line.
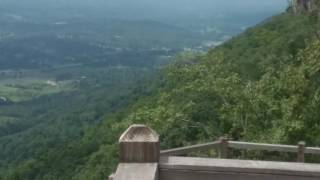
[223, 145]
[141, 159]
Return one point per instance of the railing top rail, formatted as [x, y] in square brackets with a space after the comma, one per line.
[260, 146]
[271, 147]
[312, 150]
[238, 145]
[189, 149]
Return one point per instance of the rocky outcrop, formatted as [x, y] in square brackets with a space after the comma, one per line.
[302, 6]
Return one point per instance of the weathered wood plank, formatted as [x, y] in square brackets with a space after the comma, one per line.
[137, 171]
[265, 147]
[185, 168]
[190, 149]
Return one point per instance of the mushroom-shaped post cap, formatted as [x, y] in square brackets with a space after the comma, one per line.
[139, 144]
[302, 143]
[139, 133]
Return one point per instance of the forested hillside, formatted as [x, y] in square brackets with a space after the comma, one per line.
[261, 86]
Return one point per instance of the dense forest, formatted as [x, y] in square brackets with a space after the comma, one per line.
[261, 86]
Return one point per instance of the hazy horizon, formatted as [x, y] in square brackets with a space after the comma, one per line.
[144, 9]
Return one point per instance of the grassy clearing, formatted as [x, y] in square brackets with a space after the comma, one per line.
[26, 88]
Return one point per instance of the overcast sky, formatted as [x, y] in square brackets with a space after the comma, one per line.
[149, 8]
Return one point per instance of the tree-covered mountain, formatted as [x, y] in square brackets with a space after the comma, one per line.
[67, 66]
[262, 86]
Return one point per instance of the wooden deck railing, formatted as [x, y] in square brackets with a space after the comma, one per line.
[223, 145]
[141, 159]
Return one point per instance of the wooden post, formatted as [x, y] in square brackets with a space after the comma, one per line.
[139, 144]
[301, 149]
[139, 154]
[224, 147]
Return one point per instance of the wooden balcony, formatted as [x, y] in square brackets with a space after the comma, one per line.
[141, 159]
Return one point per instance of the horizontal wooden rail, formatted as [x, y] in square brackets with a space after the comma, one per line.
[238, 145]
[190, 149]
[312, 150]
[262, 147]
[271, 147]
[222, 145]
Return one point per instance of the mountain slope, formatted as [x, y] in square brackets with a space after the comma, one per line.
[260, 86]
